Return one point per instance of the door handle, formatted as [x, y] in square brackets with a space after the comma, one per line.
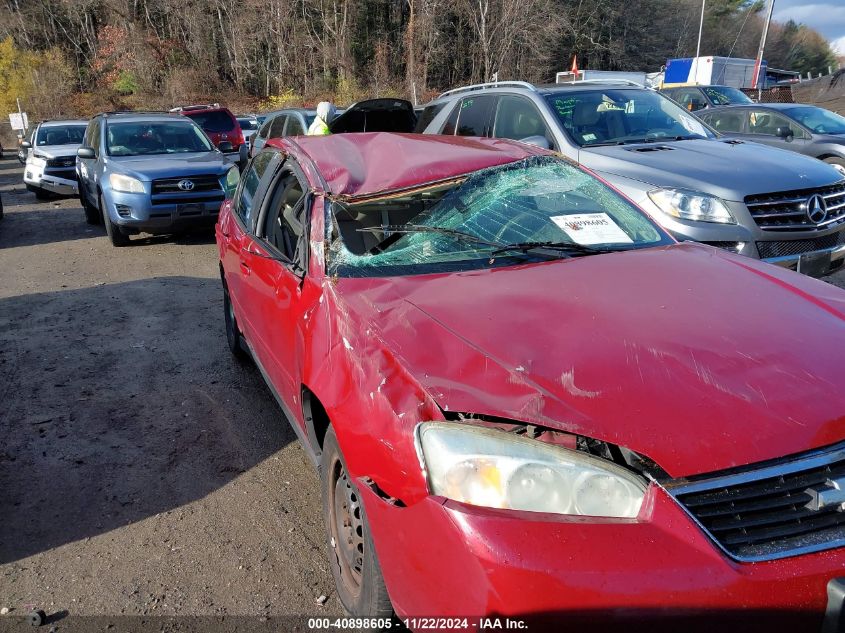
[245, 269]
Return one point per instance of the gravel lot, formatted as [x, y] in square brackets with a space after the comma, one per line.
[143, 471]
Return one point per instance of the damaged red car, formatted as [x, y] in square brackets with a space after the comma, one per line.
[527, 401]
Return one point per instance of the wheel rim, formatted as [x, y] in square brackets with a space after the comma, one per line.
[347, 525]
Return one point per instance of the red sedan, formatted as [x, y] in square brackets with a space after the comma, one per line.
[527, 401]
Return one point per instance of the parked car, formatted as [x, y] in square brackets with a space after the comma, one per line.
[806, 129]
[758, 201]
[371, 115]
[151, 172]
[695, 98]
[249, 126]
[287, 122]
[220, 125]
[51, 158]
[526, 400]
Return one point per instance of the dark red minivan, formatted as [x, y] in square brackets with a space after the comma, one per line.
[218, 122]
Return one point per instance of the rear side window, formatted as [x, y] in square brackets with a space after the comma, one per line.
[452, 123]
[265, 128]
[474, 116]
[294, 127]
[249, 186]
[725, 120]
[214, 121]
[277, 128]
[428, 116]
[284, 223]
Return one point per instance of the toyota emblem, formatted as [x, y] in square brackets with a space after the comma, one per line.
[816, 209]
[188, 185]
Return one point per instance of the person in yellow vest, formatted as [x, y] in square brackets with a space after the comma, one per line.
[325, 113]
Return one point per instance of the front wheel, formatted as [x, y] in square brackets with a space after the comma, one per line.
[352, 556]
[233, 331]
[92, 214]
[116, 237]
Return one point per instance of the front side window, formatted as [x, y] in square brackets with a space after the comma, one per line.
[277, 127]
[294, 127]
[768, 123]
[284, 223]
[620, 116]
[819, 120]
[689, 98]
[155, 137]
[249, 186]
[60, 135]
[534, 209]
[474, 116]
[517, 118]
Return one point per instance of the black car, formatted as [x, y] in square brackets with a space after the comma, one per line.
[806, 129]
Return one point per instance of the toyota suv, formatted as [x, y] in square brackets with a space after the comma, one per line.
[51, 156]
[150, 172]
[747, 198]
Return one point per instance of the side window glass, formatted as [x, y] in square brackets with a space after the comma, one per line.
[294, 127]
[725, 120]
[284, 223]
[767, 123]
[518, 118]
[264, 130]
[277, 129]
[452, 123]
[692, 100]
[428, 116]
[474, 117]
[95, 140]
[249, 185]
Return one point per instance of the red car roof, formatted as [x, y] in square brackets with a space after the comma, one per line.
[357, 165]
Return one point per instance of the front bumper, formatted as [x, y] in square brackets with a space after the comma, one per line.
[660, 572]
[137, 212]
[45, 179]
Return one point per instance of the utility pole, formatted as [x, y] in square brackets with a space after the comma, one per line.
[759, 61]
[698, 46]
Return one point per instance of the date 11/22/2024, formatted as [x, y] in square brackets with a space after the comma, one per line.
[419, 624]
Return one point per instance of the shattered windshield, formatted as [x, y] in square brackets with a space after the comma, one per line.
[536, 209]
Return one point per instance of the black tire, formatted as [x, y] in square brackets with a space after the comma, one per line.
[41, 194]
[116, 237]
[233, 331]
[352, 556]
[835, 160]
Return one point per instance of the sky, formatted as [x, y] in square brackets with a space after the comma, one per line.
[826, 16]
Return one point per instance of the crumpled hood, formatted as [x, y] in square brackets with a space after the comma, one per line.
[54, 151]
[696, 358]
[172, 165]
[729, 171]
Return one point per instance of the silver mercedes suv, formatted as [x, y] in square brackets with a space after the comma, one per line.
[758, 201]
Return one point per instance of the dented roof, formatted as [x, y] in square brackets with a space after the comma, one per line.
[365, 164]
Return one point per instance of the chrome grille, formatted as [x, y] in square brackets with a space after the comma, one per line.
[762, 513]
[787, 211]
[204, 182]
[785, 248]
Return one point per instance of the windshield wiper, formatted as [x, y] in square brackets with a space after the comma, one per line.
[555, 248]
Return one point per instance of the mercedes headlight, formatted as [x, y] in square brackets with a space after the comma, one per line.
[691, 205]
[486, 467]
[125, 184]
[233, 177]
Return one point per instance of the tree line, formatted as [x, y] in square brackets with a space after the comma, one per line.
[288, 51]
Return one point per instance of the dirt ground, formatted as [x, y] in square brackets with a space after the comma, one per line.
[142, 470]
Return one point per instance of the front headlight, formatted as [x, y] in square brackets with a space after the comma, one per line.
[233, 177]
[125, 184]
[691, 205]
[486, 467]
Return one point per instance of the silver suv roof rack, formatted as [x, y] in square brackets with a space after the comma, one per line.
[624, 82]
[491, 84]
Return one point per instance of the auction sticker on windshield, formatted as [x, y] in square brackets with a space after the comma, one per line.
[591, 228]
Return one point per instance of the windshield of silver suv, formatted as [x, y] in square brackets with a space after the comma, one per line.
[616, 117]
[157, 137]
[535, 209]
[60, 135]
[725, 95]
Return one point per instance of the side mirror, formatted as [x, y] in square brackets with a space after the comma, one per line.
[225, 146]
[26, 145]
[539, 141]
[784, 132]
[86, 152]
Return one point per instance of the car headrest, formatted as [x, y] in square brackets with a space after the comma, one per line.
[585, 113]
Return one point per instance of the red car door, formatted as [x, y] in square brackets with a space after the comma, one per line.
[277, 260]
[235, 229]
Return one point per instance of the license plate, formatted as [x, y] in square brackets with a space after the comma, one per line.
[814, 264]
[189, 209]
